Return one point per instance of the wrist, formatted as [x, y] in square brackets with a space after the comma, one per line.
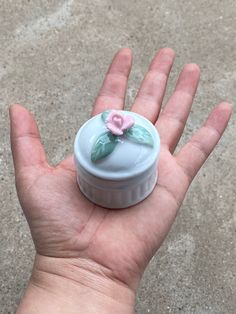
[74, 285]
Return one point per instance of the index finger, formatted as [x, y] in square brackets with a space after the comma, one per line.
[113, 90]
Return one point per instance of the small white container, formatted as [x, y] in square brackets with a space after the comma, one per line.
[128, 174]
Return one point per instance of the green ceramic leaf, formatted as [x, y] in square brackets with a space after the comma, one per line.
[104, 146]
[105, 115]
[139, 134]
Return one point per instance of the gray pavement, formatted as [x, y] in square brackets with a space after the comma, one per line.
[53, 56]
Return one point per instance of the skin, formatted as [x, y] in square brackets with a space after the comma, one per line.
[87, 256]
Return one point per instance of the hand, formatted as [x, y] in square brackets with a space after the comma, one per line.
[116, 244]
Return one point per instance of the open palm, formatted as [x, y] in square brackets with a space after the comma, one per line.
[65, 224]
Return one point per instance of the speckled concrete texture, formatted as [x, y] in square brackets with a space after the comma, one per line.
[53, 57]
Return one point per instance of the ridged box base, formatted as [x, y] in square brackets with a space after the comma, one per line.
[117, 194]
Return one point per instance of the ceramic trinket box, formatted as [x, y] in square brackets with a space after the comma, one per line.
[116, 155]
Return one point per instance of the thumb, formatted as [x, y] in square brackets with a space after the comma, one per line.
[27, 149]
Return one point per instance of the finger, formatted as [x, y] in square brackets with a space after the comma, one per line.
[157, 220]
[27, 149]
[195, 152]
[112, 93]
[149, 98]
[172, 119]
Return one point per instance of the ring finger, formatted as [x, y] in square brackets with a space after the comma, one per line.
[172, 119]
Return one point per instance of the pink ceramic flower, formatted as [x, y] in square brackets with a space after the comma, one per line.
[117, 123]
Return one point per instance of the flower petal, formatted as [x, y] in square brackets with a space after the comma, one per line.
[114, 129]
[128, 122]
[118, 121]
[112, 114]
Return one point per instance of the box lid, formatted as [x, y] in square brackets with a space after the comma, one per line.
[116, 157]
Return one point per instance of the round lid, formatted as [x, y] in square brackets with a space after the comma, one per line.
[117, 145]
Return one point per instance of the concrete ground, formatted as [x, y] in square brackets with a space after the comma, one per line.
[53, 56]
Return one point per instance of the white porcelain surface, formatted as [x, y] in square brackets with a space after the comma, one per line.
[126, 176]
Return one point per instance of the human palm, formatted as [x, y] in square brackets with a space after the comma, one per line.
[65, 224]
